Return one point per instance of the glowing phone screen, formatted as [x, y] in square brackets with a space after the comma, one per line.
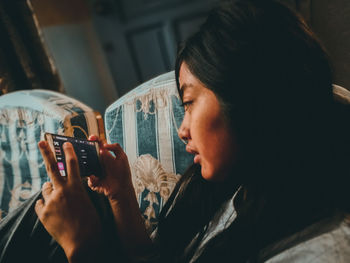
[86, 151]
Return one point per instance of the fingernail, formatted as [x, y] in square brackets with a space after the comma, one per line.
[67, 145]
[42, 144]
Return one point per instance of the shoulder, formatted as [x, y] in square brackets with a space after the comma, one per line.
[325, 241]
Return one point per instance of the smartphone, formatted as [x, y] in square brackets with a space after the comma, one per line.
[86, 151]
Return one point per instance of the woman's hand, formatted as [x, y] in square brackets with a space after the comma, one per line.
[116, 183]
[66, 210]
[117, 186]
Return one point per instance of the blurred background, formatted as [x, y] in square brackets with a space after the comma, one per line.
[98, 50]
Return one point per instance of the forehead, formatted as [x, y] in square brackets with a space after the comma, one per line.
[185, 76]
[187, 81]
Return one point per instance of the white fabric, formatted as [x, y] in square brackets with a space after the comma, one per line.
[331, 246]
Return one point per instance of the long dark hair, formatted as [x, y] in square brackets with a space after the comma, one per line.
[274, 81]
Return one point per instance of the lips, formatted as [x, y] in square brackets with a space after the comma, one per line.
[192, 151]
[197, 158]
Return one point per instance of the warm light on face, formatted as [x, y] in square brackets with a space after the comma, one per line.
[205, 129]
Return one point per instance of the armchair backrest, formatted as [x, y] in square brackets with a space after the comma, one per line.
[145, 123]
[24, 118]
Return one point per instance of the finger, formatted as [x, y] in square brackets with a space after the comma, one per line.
[115, 148]
[92, 184]
[50, 164]
[46, 190]
[39, 205]
[93, 137]
[93, 181]
[108, 160]
[72, 163]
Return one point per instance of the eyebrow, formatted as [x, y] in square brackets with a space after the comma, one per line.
[183, 88]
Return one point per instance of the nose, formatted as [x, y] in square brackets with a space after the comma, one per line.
[184, 131]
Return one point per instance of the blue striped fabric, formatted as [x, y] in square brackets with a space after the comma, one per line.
[146, 129]
[181, 156]
[115, 127]
[24, 118]
[145, 123]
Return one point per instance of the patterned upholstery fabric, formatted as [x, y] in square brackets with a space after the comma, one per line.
[24, 118]
[145, 123]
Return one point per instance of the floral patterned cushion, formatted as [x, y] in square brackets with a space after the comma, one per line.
[145, 123]
[24, 118]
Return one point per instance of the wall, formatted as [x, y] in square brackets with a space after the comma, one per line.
[330, 19]
[74, 46]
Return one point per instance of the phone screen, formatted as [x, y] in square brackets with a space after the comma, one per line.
[86, 151]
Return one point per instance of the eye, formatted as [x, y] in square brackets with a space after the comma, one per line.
[186, 104]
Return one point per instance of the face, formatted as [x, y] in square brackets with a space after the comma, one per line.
[205, 129]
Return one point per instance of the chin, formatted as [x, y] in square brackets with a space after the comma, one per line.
[210, 174]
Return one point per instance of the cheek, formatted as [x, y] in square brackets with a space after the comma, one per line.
[218, 161]
[218, 151]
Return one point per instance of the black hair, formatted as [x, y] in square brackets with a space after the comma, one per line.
[274, 80]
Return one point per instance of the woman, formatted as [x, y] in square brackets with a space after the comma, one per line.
[256, 88]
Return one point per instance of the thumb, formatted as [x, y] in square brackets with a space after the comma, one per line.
[93, 181]
[39, 206]
[108, 160]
